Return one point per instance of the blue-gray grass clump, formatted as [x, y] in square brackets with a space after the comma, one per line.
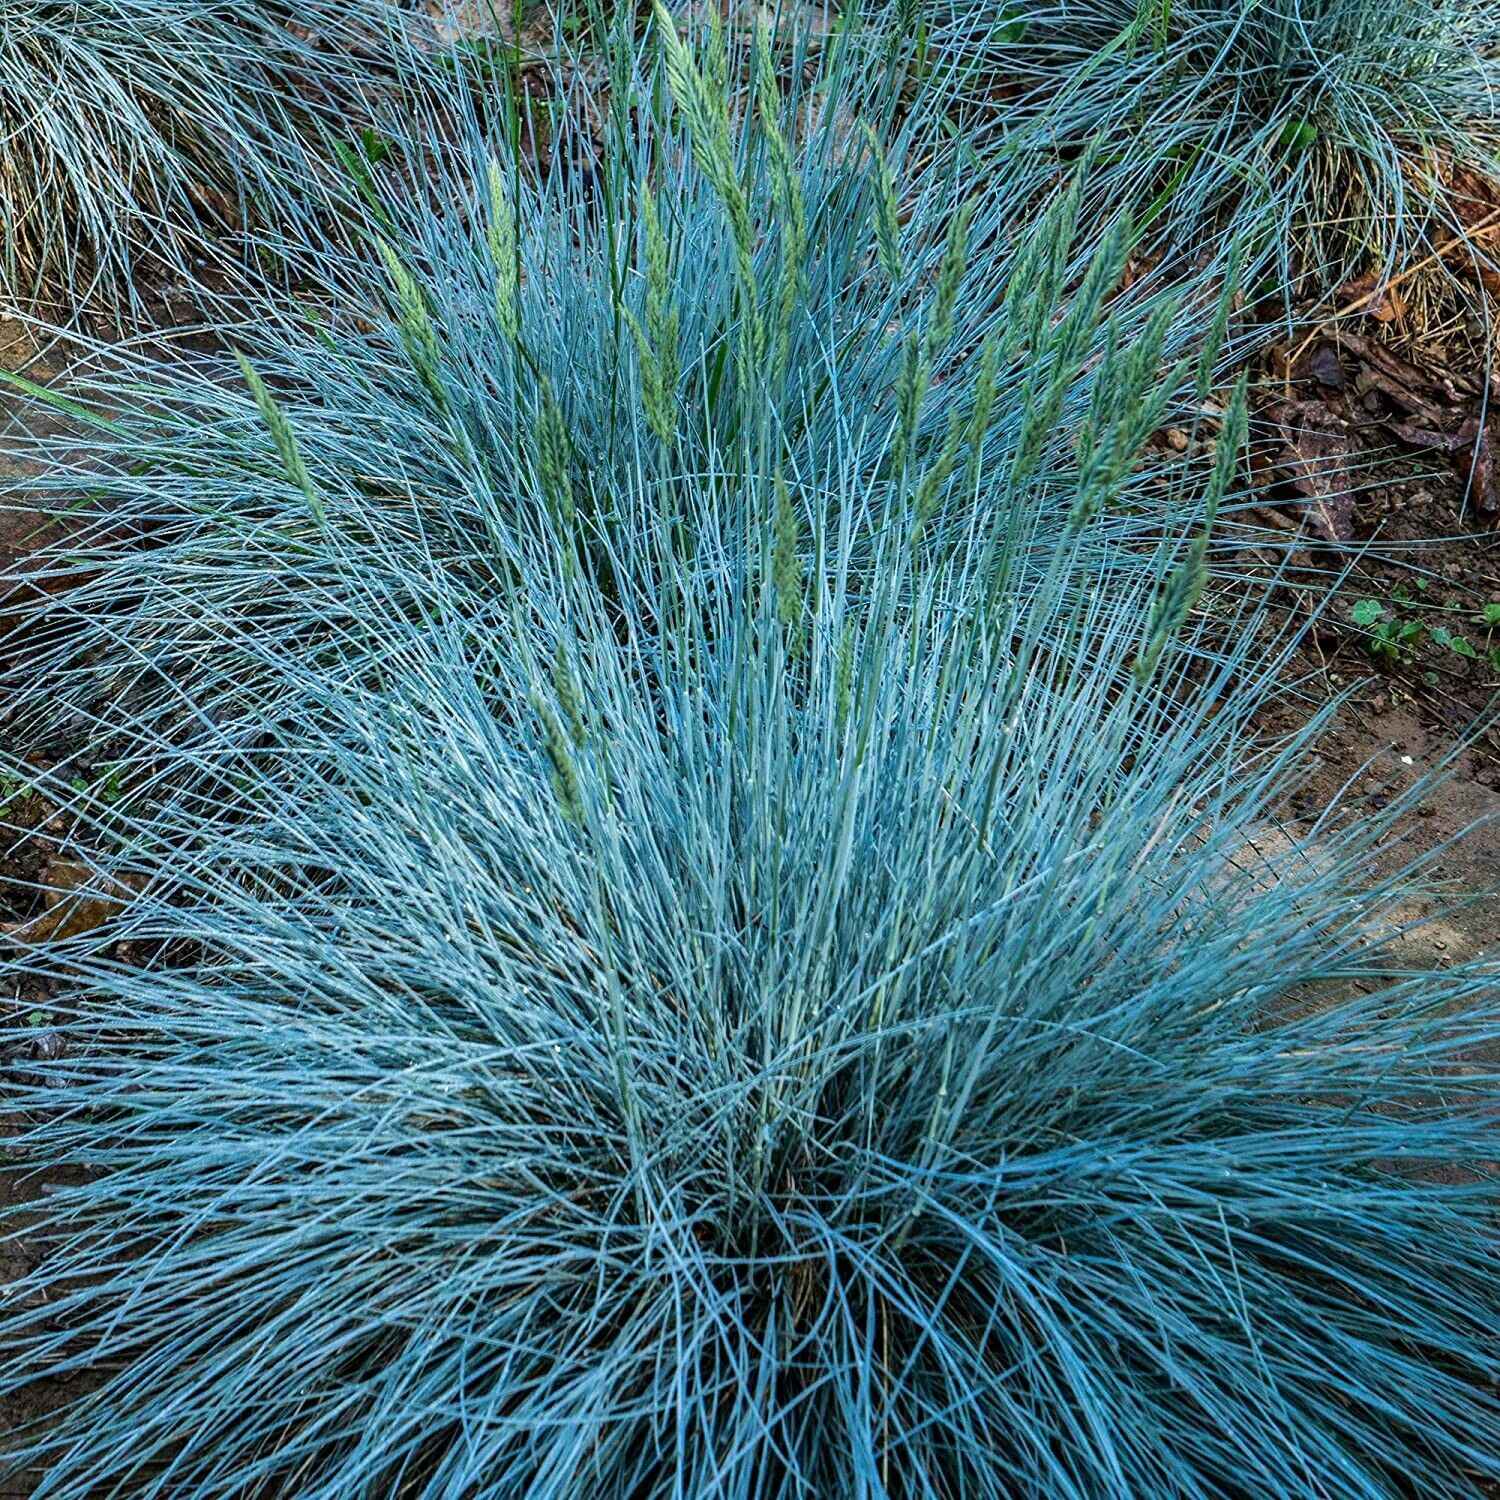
[724, 1029]
[141, 132]
[708, 921]
[1329, 136]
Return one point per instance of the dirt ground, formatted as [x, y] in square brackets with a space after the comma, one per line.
[1435, 565]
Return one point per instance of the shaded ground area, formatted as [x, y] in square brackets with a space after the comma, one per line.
[1376, 750]
[1374, 476]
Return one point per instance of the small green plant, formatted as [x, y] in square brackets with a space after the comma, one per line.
[481, 59]
[1390, 637]
[1459, 645]
[1397, 628]
[14, 791]
[360, 156]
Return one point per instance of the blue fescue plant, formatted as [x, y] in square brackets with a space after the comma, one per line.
[141, 130]
[722, 1014]
[1325, 133]
[712, 925]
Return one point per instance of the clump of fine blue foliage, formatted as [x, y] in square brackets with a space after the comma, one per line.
[1325, 134]
[141, 130]
[724, 1029]
[731, 945]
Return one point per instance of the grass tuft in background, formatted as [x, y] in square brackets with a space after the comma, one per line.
[144, 134]
[1331, 138]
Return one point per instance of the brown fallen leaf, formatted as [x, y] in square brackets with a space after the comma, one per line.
[1439, 383]
[1324, 365]
[76, 900]
[1315, 460]
[1374, 297]
[1475, 460]
[1433, 414]
[1417, 392]
[1420, 437]
[1472, 199]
